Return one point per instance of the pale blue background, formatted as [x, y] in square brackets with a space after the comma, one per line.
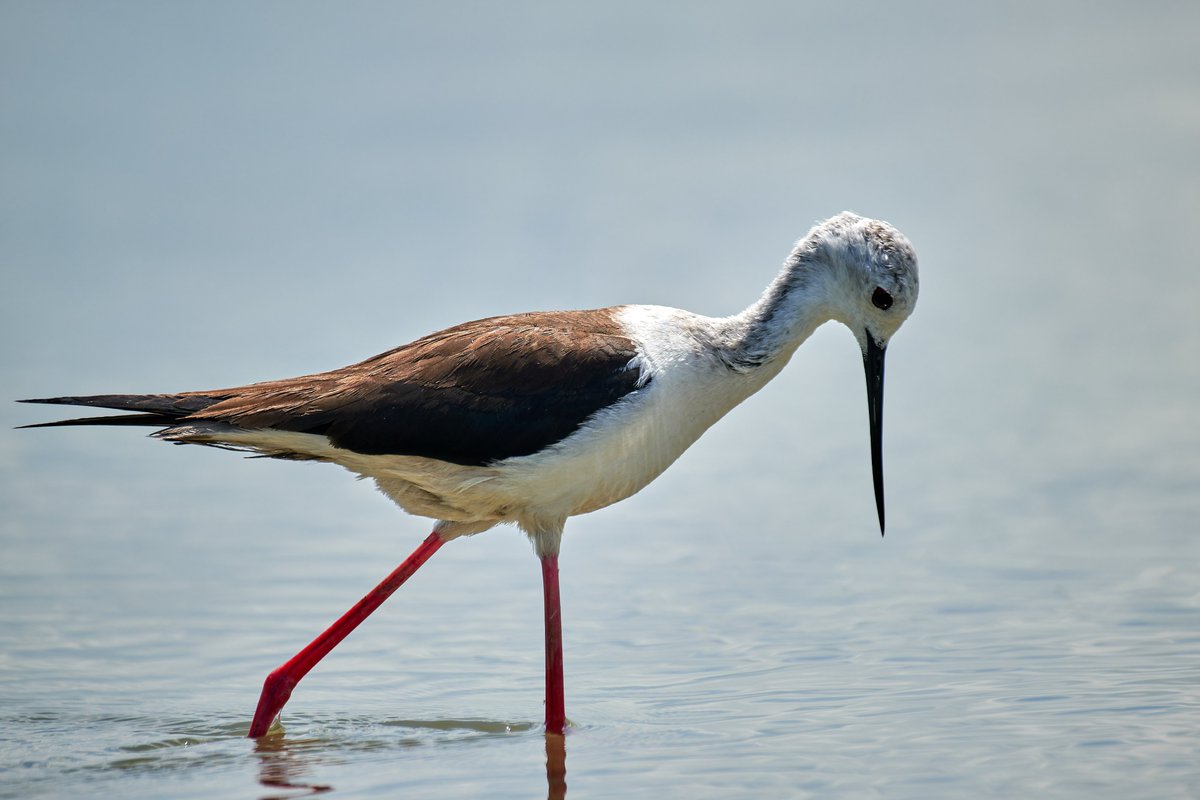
[202, 195]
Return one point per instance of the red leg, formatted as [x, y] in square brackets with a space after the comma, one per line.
[556, 715]
[279, 684]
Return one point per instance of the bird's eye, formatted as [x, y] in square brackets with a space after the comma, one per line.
[881, 299]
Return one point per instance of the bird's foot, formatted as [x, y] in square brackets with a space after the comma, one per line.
[277, 688]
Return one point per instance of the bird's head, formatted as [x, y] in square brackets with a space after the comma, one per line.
[870, 286]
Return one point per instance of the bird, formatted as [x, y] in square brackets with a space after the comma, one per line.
[537, 417]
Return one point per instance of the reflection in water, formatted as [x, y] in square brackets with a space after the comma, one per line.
[556, 766]
[281, 767]
[286, 764]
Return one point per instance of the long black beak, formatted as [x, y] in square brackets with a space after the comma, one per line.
[873, 364]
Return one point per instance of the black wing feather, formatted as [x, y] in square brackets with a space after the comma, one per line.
[472, 394]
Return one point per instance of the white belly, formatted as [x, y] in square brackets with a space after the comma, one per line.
[616, 454]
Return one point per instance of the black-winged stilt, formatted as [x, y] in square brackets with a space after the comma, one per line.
[534, 418]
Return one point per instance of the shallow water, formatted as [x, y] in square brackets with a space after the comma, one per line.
[698, 663]
[337, 184]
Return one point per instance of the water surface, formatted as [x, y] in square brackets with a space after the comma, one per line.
[203, 199]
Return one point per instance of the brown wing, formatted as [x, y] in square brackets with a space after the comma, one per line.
[471, 394]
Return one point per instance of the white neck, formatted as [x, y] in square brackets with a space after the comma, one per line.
[767, 333]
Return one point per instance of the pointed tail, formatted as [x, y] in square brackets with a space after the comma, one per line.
[154, 409]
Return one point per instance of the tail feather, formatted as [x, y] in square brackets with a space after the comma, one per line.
[172, 413]
[157, 420]
[157, 409]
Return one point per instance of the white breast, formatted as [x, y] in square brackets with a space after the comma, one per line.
[623, 448]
